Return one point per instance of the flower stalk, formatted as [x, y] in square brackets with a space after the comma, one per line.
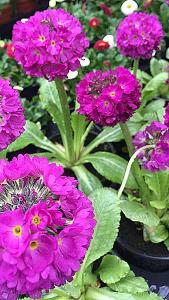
[68, 140]
[135, 66]
[134, 163]
[131, 162]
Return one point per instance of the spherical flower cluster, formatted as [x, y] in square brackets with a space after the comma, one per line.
[49, 44]
[138, 35]
[157, 134]
[107, 10]
[94, 23]
[101, 45]
[110, 97]
[11, 114]
[46, 225]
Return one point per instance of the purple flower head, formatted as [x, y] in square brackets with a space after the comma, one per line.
[46, 225]
[166, 117]
[11, 114]
[157, 158]
[138, 35]
[49, 44]
[110, 97]
[167, 2]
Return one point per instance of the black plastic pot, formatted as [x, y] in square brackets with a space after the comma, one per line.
[131, 246]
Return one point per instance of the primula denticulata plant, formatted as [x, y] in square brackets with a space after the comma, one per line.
[49, 229]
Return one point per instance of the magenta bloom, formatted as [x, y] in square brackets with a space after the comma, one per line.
[138, 35]
[46, 225]
[11, 114]
[157, 158]
[110, 97]
[166, 117]
[167, 2]
[49, 44]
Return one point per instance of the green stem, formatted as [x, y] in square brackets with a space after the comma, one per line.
[135, 166]
[135, 66]
[131, 161]
[68, 141]
[89, 127]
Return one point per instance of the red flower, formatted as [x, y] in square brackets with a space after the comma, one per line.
[10, 50]
[94, 22]
[106, 9]
[101, 45]
[147, 3]
[107, 63]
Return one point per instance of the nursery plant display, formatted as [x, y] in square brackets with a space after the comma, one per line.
[63, 195]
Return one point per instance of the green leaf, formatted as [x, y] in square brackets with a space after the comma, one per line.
[112, 134]
[151, 90]
[143, 76]
[166, 243]
[154, 110]
[56, 294]
[158, 234]
[107, 214]
[78, 123]
[50, 100]
[130, 284]
[20, 143]
[158, 66]
[158, 184]
[165, 219]
[112, 269]
[106, 294]
[139, 213]
[164, 15]
[87, 181]
[90, 279]
[37, 138]
[112, 167]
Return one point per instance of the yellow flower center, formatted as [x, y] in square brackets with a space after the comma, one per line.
[113, 94]
[36, 220]
[42, 38]
[106, 103]
[34, 245]
[129, 6]
[59, 242]
[17, 230]
[53, 43]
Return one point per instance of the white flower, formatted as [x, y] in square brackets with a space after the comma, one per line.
[2, 44]
[84, 61]
[18, 88]
[72, 74]
[110, 40]
[128, 7]
[24, 20]
[52, 3]
[154, 53]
